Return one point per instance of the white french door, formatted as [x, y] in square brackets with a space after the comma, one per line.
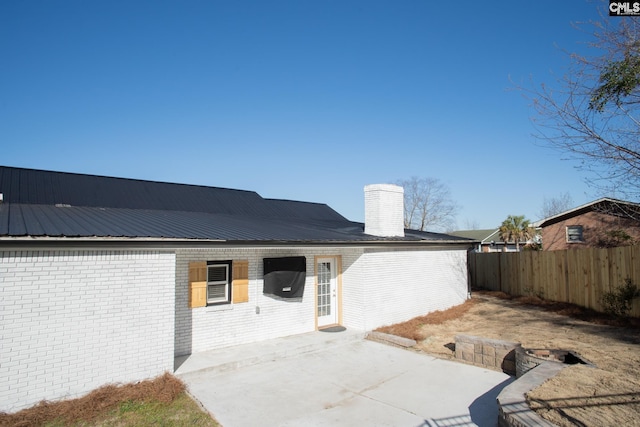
[326, 291]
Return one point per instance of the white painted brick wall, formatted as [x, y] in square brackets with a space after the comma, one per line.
[384, 210]
[71, 321]
[354, 291]
[206, 328]
[378, 288]
[403, 284]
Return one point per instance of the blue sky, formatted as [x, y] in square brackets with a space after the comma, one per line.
[302, 100]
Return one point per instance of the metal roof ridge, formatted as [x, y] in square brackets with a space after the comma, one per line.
[150, 181]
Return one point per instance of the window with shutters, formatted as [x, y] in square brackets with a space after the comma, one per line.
[218, 282]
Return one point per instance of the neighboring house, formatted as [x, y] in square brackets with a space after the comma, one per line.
[109, 280]
[604, 222]
[489, 240]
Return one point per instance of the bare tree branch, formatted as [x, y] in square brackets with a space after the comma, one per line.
[619, 208]
[427, 204]
[592, 113]
[555, 205]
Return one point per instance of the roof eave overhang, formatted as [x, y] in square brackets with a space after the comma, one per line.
[588, 207]
[26, 242]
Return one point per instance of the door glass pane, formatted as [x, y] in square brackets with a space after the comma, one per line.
[324, 288]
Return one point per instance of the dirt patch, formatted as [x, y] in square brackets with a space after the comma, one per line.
[607, 395]
[163, 389]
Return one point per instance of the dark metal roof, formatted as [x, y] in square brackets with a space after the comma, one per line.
[64, 221]
[37, 187]
[55, 204]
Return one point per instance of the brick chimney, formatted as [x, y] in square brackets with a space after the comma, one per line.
[384, 210]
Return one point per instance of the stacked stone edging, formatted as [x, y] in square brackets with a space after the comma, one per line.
[527, 359]
[526, 362]
[514, 411]
[493, 354]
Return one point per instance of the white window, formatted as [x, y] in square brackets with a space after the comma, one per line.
[574, 234]
[218, 282]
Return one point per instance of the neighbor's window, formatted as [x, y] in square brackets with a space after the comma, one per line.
[218, 282]
[574, 234]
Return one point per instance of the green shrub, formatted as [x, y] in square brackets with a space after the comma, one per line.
[620, 301]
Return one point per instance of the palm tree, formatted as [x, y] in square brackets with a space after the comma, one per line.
[515, 228]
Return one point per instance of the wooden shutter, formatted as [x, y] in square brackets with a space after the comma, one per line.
[197, 284]
[240, 282]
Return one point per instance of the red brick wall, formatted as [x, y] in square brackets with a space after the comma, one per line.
[594, 230]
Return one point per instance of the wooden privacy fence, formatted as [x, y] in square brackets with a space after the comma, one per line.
[575, 276]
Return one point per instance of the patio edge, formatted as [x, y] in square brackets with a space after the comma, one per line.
[513, 409]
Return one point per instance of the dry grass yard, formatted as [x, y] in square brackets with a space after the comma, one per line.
[161, 401]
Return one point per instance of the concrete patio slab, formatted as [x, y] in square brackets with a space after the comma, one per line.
[343, 380]
[230, 358]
